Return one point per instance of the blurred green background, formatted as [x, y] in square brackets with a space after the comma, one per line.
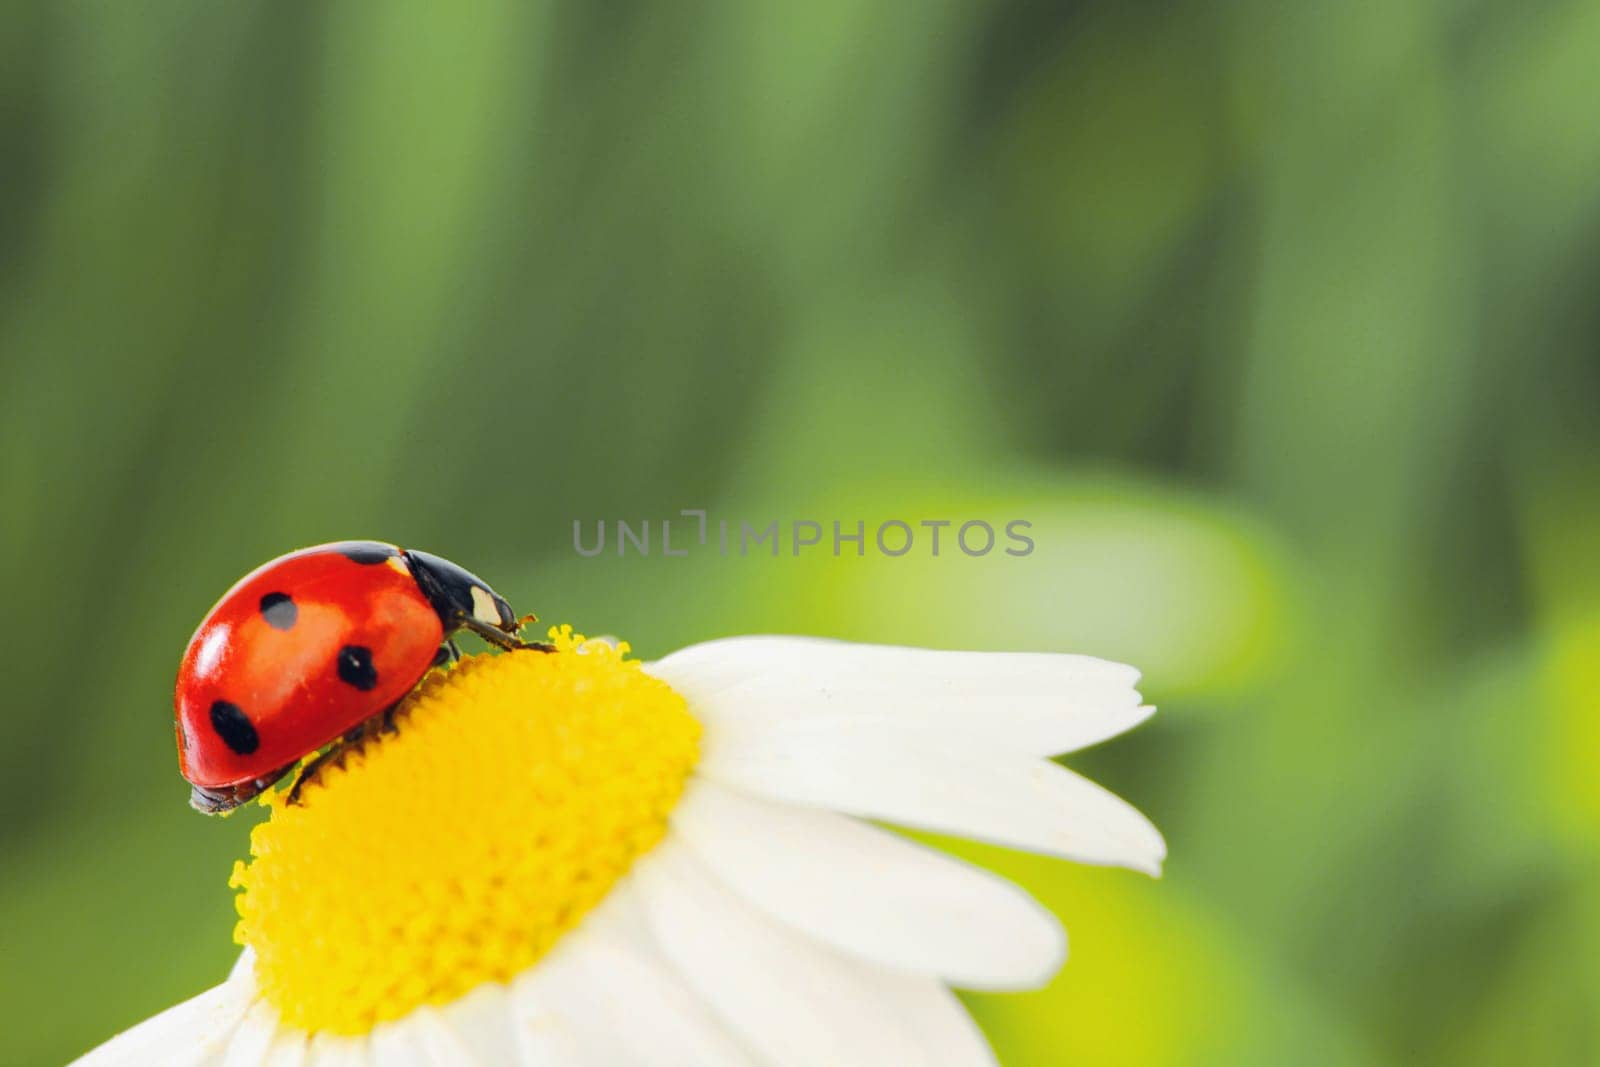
[1277, 321]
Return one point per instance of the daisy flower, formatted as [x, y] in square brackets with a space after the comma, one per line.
[575, 858]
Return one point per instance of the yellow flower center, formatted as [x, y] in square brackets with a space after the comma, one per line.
[455, 851]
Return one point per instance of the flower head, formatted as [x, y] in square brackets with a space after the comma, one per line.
[572, 856]
[457, 849]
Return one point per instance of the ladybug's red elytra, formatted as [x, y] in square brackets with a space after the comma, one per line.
[313, 647]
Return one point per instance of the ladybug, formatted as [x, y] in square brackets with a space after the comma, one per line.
[315, 647]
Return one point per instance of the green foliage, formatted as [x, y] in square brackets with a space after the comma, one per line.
[1274, 320]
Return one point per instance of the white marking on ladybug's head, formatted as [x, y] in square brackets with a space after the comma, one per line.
[398, 564]
[483, 607]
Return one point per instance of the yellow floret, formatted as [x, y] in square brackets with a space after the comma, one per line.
[455, 851]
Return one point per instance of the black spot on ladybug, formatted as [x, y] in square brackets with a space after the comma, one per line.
[355, 667]
[233, 727]
[368, 555]
[279, 611]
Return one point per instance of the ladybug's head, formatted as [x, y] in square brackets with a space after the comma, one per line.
[458, 595]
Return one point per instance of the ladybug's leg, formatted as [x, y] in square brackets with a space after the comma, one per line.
[448, 653]
[226, 798]
[217, 801]
[499, 638]
[383, 722]
[320, 760]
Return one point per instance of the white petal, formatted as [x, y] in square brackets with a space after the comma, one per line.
[337, 1050]
[288, 1049]
[244, 968]
[395, 1044]
[789, 998]
[482, 1019]
[545, 1037]
[946, 1032]
[252, 1040]
[869, 893]
[896, 774]
[438, 1041]
[191, 1034]
[620, 1004]
[474, 1031]
[1028, 702]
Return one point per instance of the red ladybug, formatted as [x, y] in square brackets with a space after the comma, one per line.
[311, 648]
